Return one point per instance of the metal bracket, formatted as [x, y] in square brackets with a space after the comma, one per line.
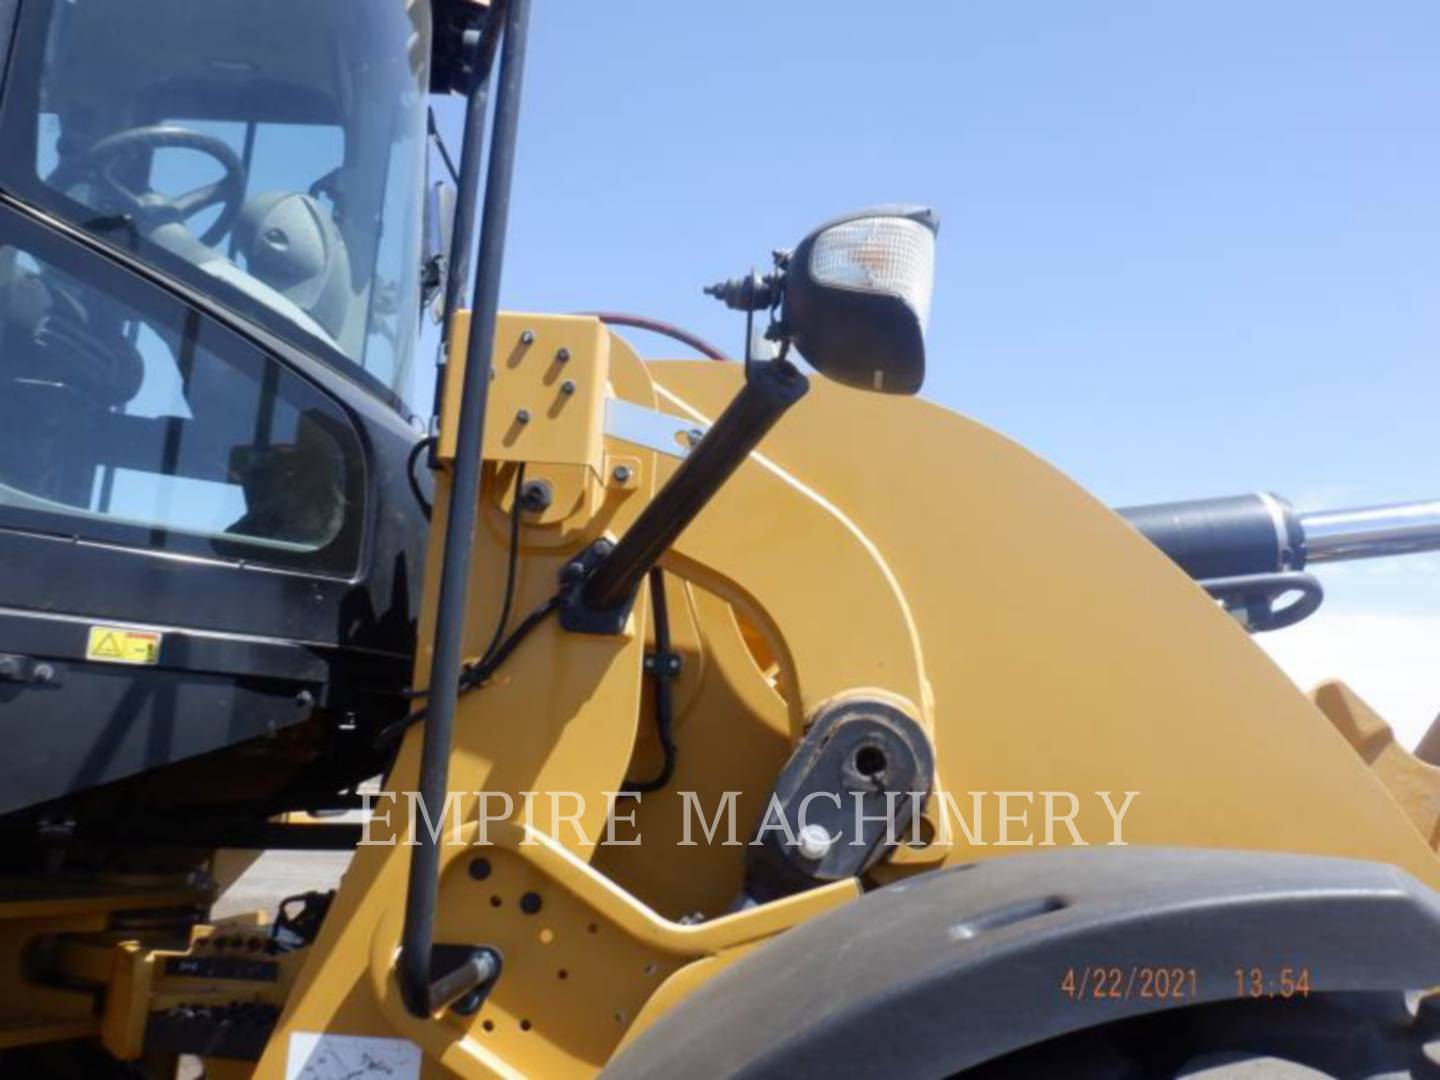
[579, 617]
[1252, 598]
[652, 429]
[663, 665]
[26, 669]
[471, 972]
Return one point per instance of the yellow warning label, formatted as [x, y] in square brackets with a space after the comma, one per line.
[118, 645]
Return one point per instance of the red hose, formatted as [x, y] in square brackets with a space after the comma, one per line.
[655, 326]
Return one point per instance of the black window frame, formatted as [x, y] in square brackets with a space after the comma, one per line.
[340, 558]
[24, 59]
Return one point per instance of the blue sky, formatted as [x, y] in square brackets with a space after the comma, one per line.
[1187, 249]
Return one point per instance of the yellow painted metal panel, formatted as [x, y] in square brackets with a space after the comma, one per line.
[1065, 652]
[547, 391]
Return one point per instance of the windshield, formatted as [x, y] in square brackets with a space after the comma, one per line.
[270, 153]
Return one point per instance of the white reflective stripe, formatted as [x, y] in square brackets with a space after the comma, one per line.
[650, 428]
[1284, 557]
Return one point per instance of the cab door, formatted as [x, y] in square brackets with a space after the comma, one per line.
[166, 475]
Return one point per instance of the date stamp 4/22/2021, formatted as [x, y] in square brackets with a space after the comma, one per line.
[1160, 982]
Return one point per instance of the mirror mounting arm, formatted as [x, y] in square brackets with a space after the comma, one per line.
[600, 601]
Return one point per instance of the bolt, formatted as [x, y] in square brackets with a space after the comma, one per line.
[562, 356]
[44, 673]
[530, 903]
[621, 474]
[523, 416]
[535, 496]
[603, 547]
[693, 436]
[479, 869]
[567, 387]
[814, 842]
[304, 699]
[527, 337]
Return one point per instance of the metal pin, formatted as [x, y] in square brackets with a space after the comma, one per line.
[562, 356]
[621, 474]
[568, 386]
[523, 416]
[527, 337]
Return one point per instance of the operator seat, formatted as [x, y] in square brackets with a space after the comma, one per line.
[290, 243]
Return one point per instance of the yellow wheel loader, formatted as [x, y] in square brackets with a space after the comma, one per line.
[692, 718]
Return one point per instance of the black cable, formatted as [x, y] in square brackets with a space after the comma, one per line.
[513, 560]
[477, 675]
[498, 649]
[434, 132]
[510, 572]
[664, 690]
[481, 673]
[415, 451]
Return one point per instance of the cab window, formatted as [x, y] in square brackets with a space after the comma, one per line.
[128, 417]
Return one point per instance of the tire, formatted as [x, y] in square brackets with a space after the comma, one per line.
[1349, 1036]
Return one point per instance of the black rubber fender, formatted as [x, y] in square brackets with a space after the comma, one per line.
[954, 968]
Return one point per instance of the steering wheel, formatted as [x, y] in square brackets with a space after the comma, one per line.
[150, 208]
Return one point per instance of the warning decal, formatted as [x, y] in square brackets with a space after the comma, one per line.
[120, 645]
[317, 1056]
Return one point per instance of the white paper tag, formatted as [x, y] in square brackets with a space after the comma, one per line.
[316, 1056]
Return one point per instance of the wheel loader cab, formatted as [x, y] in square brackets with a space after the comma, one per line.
[209, 293]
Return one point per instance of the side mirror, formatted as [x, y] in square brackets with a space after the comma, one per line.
[857, 297]
[439, 230]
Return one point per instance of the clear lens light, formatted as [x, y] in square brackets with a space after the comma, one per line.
[879, 254]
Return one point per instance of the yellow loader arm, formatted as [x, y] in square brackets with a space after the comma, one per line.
[1077, 688]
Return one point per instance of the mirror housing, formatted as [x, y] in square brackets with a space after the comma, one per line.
[439, 230]
[857, 297]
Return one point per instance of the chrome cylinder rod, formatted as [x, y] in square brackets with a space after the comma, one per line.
[1371, 532]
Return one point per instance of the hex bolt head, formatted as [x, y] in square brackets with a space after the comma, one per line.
[567, 387]
[814, 842]
[527, 337]
[536, 496]
[622, 474]
[523, 416]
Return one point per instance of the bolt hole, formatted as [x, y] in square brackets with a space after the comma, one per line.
[619, 1016]
[495, 901]
[593, 928]
[870, 761]
[651, 968]
[488, 1025]
[562, 974]
[524, 1025]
